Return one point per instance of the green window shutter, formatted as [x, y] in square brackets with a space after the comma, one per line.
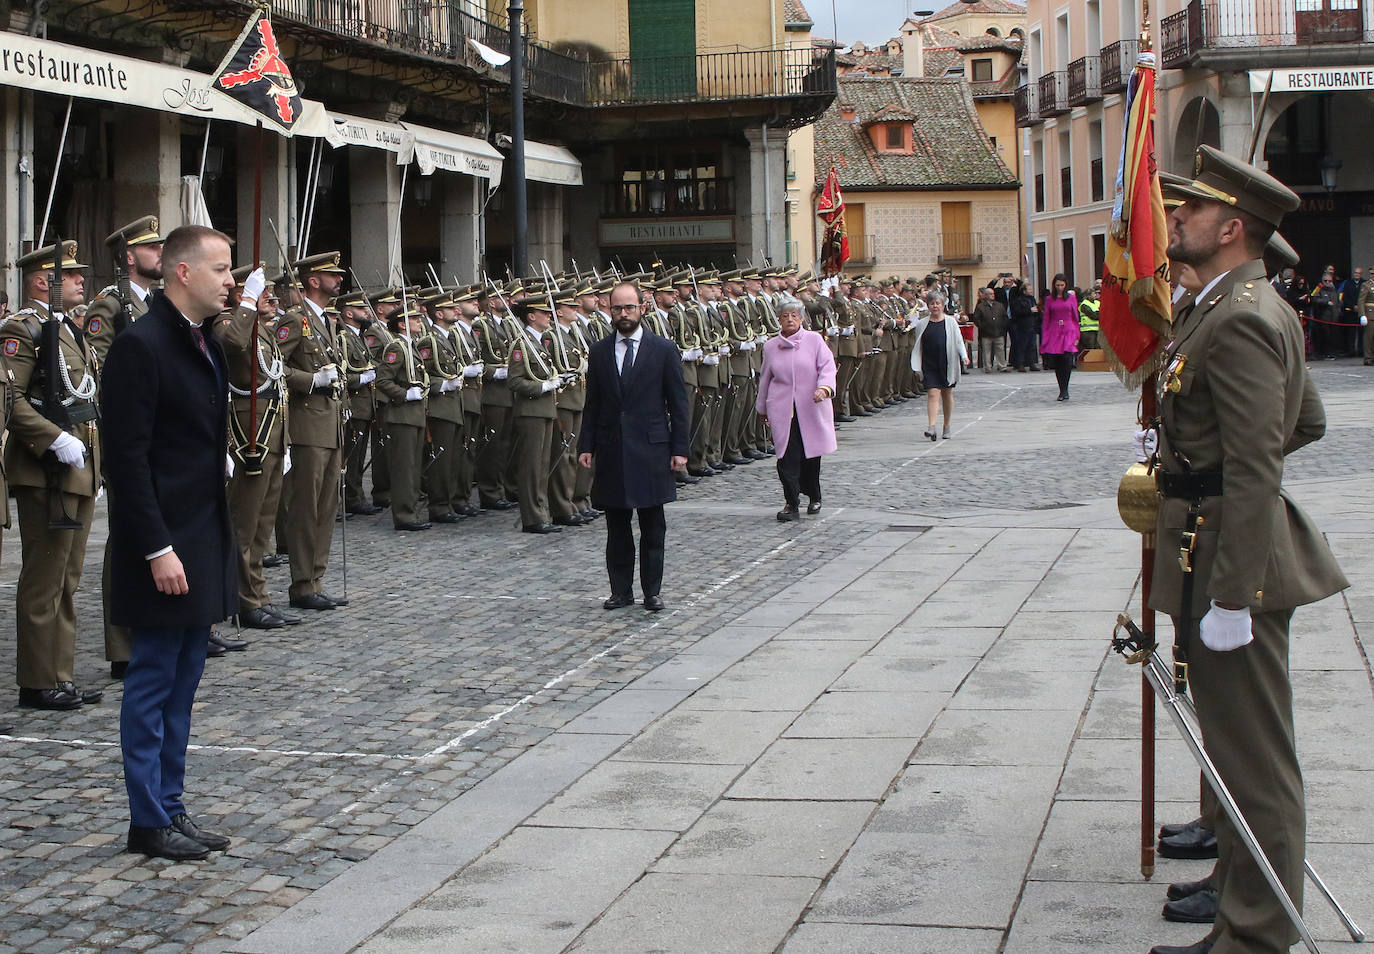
[663, 47]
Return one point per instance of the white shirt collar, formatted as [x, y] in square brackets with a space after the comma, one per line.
[319, 312]
[1206, 289]
[537, 334]
[636, 337]
[465, 325]
[138, 290]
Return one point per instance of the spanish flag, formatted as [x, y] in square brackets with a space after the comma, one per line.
[1135, 315]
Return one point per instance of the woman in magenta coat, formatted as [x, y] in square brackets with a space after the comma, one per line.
[795, 388]
[1059, 332]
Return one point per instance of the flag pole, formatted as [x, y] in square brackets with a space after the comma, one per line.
[257, 249]
[1147, 615]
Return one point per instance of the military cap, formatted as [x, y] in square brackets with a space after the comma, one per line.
[467, 293]
[513, 287]
[567, 295]
[387, 296]
[805, 276]
[1278, 247]
[435, 297]
[709, 278]
[683, 277]
[1168, 181]
[321, 262]
[138, 232]
[41, 259]
[734, 275]
[354, 299]
[1223, 178]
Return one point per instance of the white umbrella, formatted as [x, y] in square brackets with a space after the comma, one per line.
[193, 208]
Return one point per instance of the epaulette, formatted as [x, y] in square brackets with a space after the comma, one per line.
[107, 290]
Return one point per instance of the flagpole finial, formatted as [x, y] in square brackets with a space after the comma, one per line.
[1146, 44]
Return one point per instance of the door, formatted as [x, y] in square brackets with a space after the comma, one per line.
[1329, 21]
[663, 49]
[956, 232]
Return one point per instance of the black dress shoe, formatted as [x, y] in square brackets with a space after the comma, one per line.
[259, 618]
[653, 603]
[1182, 889]
[1203, 946]
[571, 520]
[214, 650]
[336, 600]
[755, 455]
[58, 700]
[788, 514]
[702, 471]
[468, 510]
[290, 619]
[228, 643]
[416, 525]
[590, 515]
[863, 413]
[616, 601]
[720, 466]
[1167, 831]
[1196, 843]
[365, 509]
[165, 843]
[87, 696]
[682, 478]
[502, 504]
[1199, 908]
[274, 559]
[846, 419]
[737, 461]
[445, 518]
[210, 839]
[813, 505]
[118, 667]
[541, 528]
[312, 601]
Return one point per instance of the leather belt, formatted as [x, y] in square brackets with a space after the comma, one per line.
[1190, 486]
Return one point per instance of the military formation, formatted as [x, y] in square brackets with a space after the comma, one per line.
[438, 404]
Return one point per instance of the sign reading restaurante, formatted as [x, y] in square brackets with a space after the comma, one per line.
[1313, 80]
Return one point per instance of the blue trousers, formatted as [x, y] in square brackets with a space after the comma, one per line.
[155, 720]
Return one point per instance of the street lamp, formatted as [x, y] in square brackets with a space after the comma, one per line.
[1329, 166]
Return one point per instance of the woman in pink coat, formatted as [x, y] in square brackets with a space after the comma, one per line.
[1060, 331]
[795, 388]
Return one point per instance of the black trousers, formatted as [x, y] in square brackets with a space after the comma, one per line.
[1063, 367]
[620, 550]
[799, 474]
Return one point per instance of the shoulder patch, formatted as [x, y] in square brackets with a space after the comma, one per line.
[93, 328]
[371, 341]
[283, 333]
[425, 352]
[517, 355]
[391, 357]
[11, 347]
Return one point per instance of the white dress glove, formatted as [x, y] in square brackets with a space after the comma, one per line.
[449, 384]
[1146, 442]
[252, 287]
[847, 332]
[547, 386]
[1223, 630]
[723, 349]
[472, 371]
[69, 450]
[500, 373]
[286, 462]
[832, 330]
[413, 394]
[368, 376]
[712, 359]
[324, 377]
[1364, 320]
[747, 346]
[228, 465]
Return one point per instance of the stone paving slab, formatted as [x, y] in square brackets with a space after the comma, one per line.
[794, 839]
[658, 796]
[838, 713]
[821, 937]
[998, 737]
[824, 769]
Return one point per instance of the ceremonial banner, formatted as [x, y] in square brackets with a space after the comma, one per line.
[830, 207]
[254, 73]
[1135, 315]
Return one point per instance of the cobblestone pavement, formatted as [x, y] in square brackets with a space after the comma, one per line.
[464, 646]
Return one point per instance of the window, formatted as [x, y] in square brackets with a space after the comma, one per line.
[896, 137]
[1065, 170]
[1099, 240]
[982, 70]
[1038, 164]
[1066, 259]
[1095, 176]
[1042, 278]
[669, 179]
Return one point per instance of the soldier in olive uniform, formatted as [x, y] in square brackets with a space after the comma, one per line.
[493, 446]
[143, 260]
[359, 370]
[310, 494]
[377, 336]
[533, 380]
[401, 376]
[1235, 555]
[713, 374]
[465, 301]
[54, 474]
[570, 350]
[444, 414]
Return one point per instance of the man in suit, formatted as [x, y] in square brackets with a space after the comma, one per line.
[1235, 399]
[165, 403]
[634, 427]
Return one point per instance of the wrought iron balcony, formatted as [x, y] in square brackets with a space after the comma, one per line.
[1054, 94]
[960, 248]
[1026, 103]
[1246, 34]
[673, 197]
[1085, 85]
[1117, 63]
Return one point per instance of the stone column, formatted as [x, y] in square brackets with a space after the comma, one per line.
[16, 167]
[276, 201]
[147, 167]
[546, 225]
[461, 226]
[761, 213]
[1234, 112]
[375, 184]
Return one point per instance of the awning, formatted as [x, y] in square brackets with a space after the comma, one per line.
[435, 149]
[345, 130]
[545, 163]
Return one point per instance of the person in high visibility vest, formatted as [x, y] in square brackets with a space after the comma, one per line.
[1087, 317]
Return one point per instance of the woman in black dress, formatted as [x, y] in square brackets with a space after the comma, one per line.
[938, 359]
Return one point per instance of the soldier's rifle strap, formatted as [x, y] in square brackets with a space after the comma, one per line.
[239, 442]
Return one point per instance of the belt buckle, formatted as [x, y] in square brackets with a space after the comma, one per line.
[1185, 551]
[1180, 677]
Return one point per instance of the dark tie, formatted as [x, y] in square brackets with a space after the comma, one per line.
[629, 361]
[199, 337]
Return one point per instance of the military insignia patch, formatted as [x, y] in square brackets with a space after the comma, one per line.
[425, 352]
[391, 357]
[94, 327]
[517, 355]
[371, 341]
[11, 347]
[283, 333]
[305, 328]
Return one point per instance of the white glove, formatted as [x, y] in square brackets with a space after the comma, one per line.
[847, 332]
[228, 465]
[252, 287]
[546, 386]
[324, 377]
[69, 450]
[833, 330]
[368, 376]
[723, 349]
[1223, 630]
[286, 462]
[414, 394]
[1146, 442]
[711, 359]
[761, 339]
[748, 346]
[500, 373]
[449, 384]
[686, 356]
[1364, 320]
[472, 371]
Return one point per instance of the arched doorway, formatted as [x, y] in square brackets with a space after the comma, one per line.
[1198, 123]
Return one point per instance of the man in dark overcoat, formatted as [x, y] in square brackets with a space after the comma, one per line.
[634, 426]
[164, 403]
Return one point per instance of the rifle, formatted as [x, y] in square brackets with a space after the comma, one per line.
[51, 367]
[124, 315]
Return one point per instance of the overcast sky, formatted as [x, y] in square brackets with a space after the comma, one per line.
[873, 21]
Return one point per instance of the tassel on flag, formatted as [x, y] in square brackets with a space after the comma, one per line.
[1135, 317]
[254, 73]
[830, 207]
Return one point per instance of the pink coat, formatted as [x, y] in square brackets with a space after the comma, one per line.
[793, 368]
[1059, 331]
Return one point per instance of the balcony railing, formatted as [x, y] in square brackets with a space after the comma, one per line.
[960, 248]
[675, 197]
[713, 77]
[1236, 30]
[863, 250]
[1054, 94]
[1118, 62]
[1026, 103]
[1084, 83]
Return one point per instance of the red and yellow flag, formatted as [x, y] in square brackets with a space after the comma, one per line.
[1135, 315]
[830, 207]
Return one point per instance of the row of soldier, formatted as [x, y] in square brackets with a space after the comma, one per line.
[438, 393]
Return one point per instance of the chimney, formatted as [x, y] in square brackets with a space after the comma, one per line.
[913, 50]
